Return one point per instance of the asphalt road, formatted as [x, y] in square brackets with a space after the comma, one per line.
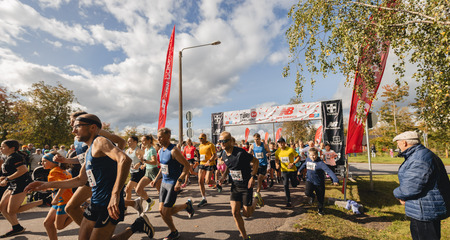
[214, 221]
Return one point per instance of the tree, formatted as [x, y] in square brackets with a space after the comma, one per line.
[44, 115]
[392, 95]
[296, 130]
[330, 36]
[7, 116]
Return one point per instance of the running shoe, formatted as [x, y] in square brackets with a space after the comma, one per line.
[264, 185]
[271, 183]
[190, 208]
[13, 232]
[173, 235]
[149, 206]
[145, 226]
[138, 205]
[202, 203]
[219, 188]
[184, 185]
[321, 213]
[260, 202]
[288, 205]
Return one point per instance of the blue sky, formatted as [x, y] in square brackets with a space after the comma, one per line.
[112, 55]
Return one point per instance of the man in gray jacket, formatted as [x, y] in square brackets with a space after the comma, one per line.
[424, 187]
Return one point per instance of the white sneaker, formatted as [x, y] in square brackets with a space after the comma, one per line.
[149, 205]
[138, 205]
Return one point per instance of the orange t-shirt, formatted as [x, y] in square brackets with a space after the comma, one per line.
[58, 174]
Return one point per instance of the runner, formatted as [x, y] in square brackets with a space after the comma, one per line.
[272, 166]
[329, 157]
[286, 158]
[172, 161]
[243, 176]
[151, 171]
[260, 151]
[15, 177]
[315, 178]
[106, 170]
[207, 166]
[57, 218]
[136, 169]
[189, 152]
[75, 206]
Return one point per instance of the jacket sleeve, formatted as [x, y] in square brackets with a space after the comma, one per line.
[302, 166]
[415, 176]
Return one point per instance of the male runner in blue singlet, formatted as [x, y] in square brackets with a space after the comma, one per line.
[261, 152]
[172, 163]
[106, 170]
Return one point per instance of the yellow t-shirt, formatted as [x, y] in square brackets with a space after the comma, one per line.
[206, 152]
[58, 174]
[286, 156]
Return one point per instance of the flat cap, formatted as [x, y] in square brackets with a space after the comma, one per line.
[409, 135]
[281, 140]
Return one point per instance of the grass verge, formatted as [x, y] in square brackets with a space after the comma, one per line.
[362, 158]
[384, 217]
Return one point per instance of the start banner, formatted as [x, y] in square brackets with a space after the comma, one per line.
[285, 113]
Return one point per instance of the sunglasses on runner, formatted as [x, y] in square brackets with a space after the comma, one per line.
[224, 141]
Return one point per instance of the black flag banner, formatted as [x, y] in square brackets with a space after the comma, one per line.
[333, 127]
[216, 126]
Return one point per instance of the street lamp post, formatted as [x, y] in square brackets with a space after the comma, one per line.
[180, 96]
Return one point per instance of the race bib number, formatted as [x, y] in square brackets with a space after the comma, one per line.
[165, 169]
[272, 157]
[236, 175]
[311, 166]
[284, 159]
[188, 156]
[91, 178]
[81, 158]
[202, 157]
[259, 155]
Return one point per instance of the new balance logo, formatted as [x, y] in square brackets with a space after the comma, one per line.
[287, 111]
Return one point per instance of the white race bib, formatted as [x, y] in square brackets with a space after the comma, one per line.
[272, 157]
[165, 169]
[284, 159]
[202, 157]
[188, 156]
[311, 166]
[236, 175]
[259, 155]
[81, 158]
[91, 178]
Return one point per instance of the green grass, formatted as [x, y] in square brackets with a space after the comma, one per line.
[362, 158]
[384, 217]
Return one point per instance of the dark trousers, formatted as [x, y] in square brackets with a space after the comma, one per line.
[289, 176]
[319, 190]
[425, 230]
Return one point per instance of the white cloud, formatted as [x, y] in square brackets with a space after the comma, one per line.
[56, 44]
[127, 90]
[52, 3]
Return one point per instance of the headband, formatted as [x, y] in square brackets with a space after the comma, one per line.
[49, 157]
[88, 120]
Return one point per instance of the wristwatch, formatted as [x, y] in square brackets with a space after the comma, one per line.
[7, 179]
[180, 180]
[255, 177]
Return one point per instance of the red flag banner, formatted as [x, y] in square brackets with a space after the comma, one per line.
[165, 94]
[266, 137]
[278, 134]
[363, 102]
[247, 132]
[318, 137]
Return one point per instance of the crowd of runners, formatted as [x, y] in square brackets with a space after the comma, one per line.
[87, 185]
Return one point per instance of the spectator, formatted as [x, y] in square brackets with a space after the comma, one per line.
[31, 148]
[62, 151]
[424, 187]
[35, 159]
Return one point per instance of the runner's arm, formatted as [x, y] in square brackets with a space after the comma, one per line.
[176, 153]
[114, 138]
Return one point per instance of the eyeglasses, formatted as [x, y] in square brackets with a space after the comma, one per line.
[224, 141]
[79, 125]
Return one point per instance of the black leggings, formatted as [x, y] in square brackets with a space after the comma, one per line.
[292, 176]
[320, 192]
